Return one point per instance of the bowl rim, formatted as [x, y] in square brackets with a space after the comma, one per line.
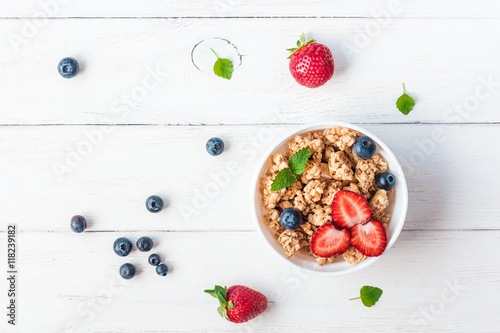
[329, 124]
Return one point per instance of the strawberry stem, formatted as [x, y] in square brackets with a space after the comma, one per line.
[300, 44]
[221, 293]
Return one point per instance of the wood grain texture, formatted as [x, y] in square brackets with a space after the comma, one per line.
[444, 64]
[249, 8]
[107, 178]
[71, 279]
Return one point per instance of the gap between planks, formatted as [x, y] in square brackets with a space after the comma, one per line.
[491, 123]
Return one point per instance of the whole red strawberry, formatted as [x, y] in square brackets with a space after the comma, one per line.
[311, 64]
[239, 304]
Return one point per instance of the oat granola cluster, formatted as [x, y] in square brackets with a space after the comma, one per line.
[332, 167]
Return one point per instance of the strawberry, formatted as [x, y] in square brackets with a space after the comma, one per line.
[349, 209]
[311, 63]
[328, 241]
[370, 238]
[239, 304]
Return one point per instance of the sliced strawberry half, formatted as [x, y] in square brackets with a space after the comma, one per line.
[328, 241]
[349, 209]
[370, 238]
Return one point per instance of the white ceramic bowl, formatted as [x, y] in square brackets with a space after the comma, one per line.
[397, 207]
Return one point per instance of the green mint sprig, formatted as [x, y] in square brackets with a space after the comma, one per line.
[296, 166]
[405, 103]
[369, 295]
[223, 67]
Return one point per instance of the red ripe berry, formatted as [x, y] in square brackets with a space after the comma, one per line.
[239, 304]
[311, 63]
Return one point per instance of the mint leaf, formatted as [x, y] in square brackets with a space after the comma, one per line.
[405, 103]
[298, 161]
[284, 178]
[369, 295]
[223, 67]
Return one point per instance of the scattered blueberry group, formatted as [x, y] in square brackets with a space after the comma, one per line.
[386, 181]
[154, 204]
[364, 147]
[122, 246]
[78, 223]
[68, 67]
[291, 218]
[127, 271]
[215, 146]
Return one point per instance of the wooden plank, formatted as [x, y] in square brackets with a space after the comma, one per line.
[444, 63]
[51, 173]
[239, 8]
[70, 281]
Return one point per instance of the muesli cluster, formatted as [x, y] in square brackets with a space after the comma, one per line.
[333, 166]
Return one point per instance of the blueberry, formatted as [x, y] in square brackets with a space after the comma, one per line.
[144, 244]
[68, 68]
[154, 204]
[127, 271]
[364, 147]
[386, 181]
[162, 269]
[215, 146]
[291, 218]
[154, 260]
[122, 246]
[78, 223]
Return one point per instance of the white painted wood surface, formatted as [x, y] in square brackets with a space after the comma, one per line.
[443, 274]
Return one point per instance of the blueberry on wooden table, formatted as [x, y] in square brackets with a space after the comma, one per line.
[215, 146]
[144, 244]
[78, 223]
[162, 269]
[154, 260]
[122, 246]
[154, 204]
[68, 67]
[127, 271]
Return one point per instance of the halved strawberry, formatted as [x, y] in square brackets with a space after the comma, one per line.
[370, 238]
[328, 241]
[349, 209]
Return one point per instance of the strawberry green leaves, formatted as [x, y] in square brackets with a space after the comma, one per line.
[220, 293]
[300, 43]
[369, 295]
[405, 103]
[223, 67]
[296, 166]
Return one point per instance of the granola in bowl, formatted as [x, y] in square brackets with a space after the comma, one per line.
[333, 167]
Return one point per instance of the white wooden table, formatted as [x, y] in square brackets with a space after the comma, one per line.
[79, 147]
